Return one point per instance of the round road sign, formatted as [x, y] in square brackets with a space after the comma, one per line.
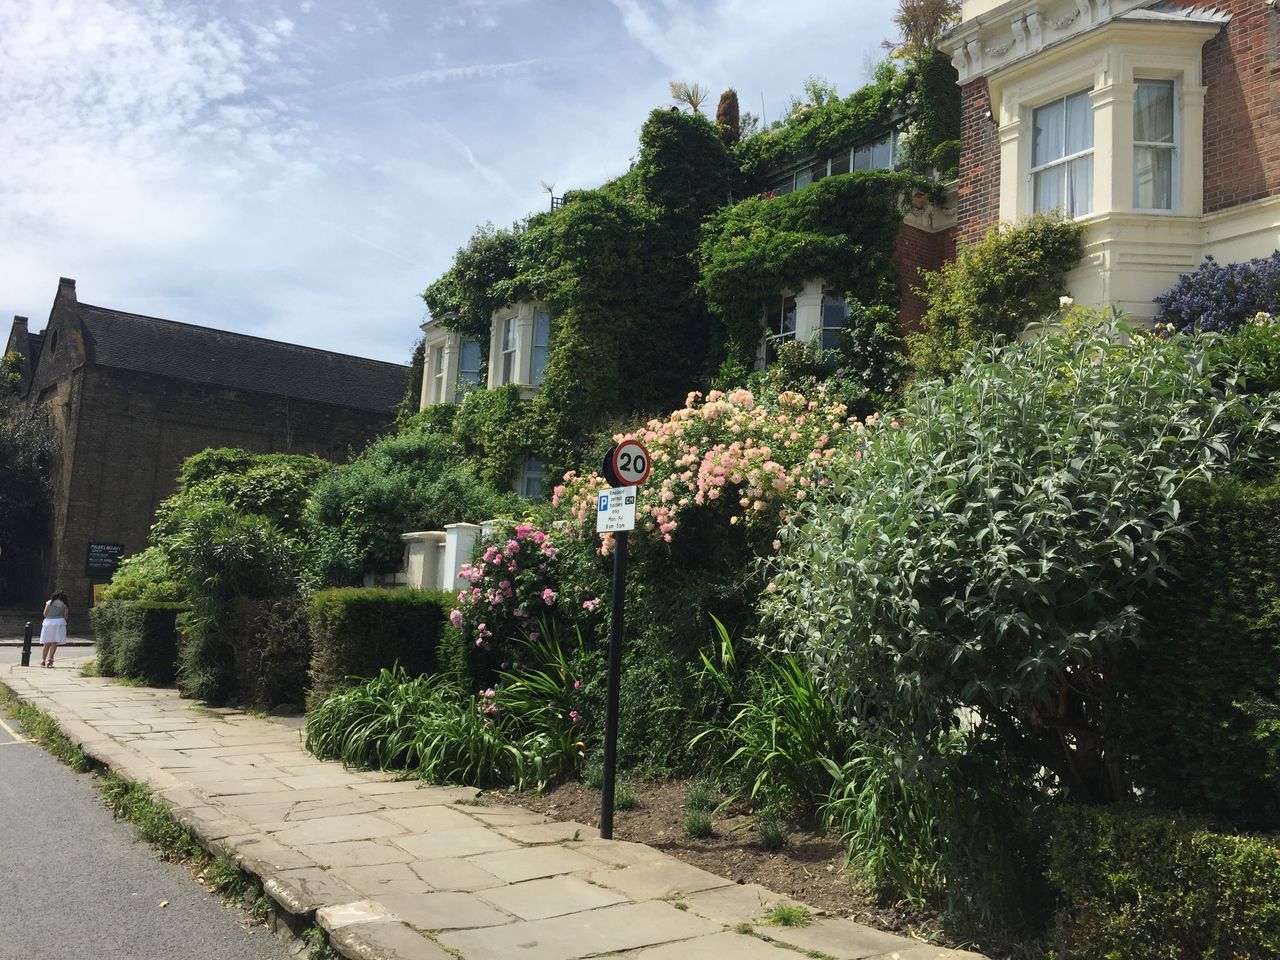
[630, 462]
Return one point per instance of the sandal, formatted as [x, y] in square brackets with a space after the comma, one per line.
[43, 664]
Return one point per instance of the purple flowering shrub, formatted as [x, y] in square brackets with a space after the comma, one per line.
[1222, 296]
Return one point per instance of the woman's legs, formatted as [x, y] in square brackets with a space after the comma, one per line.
[46, 655]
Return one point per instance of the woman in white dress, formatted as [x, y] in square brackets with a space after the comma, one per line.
[54, 629]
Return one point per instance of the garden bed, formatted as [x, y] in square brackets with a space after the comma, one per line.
[810, 867]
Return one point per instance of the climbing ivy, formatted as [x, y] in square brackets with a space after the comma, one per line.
[921, 96]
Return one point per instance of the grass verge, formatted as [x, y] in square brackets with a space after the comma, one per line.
[43, 729]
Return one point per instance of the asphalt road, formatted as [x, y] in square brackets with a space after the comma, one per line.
[76, 885]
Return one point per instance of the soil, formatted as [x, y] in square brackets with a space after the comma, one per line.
[809, 867]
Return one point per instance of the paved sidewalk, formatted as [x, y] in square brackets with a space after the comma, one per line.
[403, 871]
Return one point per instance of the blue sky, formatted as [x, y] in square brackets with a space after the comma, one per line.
[302, 170]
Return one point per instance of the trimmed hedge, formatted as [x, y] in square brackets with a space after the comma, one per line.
[1143, 887]
[271, 644]
[1199, 721]
[138, 640]
[358, 631]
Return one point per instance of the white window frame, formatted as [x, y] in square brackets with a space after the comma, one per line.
[829, 293]
[532, 476]
[1175, 166]
[510, 338]
[437, 373]
[540, 350]
[469, 379]
[1066, 159]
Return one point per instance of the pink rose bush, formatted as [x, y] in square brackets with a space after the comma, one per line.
[754, 458]
[510, 587]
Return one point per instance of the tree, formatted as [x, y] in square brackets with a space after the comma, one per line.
[692, 95]
[921, 23]
[26, 446]
[727, 117]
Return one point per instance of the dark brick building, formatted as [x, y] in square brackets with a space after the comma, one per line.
[132, 396]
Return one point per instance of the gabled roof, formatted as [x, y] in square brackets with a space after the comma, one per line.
[129, 341]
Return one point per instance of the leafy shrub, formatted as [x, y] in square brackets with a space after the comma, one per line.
[26, 450]
[1199, 721]
[698, 824]
[137, 640]
[146, 576]
[991, 546]
[271, 644]
[784, 736]
[357, 632]
[1009, 279]
[1148, 887]
[1222, 296]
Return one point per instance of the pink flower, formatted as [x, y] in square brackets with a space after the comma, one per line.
[455, 617]
[575, 716]
[590, 605]
[524, 530]
[548, 596]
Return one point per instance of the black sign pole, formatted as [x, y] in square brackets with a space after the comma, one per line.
[615, 670]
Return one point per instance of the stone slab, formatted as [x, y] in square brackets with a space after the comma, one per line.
[444, 911]
[735, 903]
[455, 874]
[322, 830]
[385, 940]
[344, 914]
[302, 892]
[453, 843]
[531, 863]
[729, 945]
[842, 939]
[653, 881]
[551, 897]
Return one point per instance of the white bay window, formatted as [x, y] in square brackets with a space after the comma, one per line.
[1062, 155]
[1153, 145]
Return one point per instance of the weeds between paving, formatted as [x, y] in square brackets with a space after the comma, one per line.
[132, 802]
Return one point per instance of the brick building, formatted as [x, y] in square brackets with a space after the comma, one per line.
[1157, 125]
[132, 396]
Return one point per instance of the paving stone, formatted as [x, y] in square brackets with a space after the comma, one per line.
[618, 853]
[455, 843]
[735, 903]
[303, 891]
[735, 945]
[652, 881]
[318, 779]
[355, 853]
[452, 874]
[262, 855]
[552, 832]
[623, 927]
[444, 911]
[842, 939]
[531, 863]
[385, 940]
[311, 809]
[432, 819]
[358, 826]
[551, 897]
[383, 878]
[345, 914]
[506, 815]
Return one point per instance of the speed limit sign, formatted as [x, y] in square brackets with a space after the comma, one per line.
[627, 464]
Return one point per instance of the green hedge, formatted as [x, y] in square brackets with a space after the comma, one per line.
[357, 631]
[137, 639]
[271, 645]
[1139, 887]
[1199, 722]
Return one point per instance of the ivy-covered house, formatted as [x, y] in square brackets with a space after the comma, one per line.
[699, 262]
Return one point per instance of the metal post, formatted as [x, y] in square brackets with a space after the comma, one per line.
[26, 646]
[611, 703]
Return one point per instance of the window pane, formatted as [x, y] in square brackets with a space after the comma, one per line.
[785, 185]
[1080, 186]
[840, 163]
[1153, 111]
[531, 478]
[1079, 130]
[1153, 178]
[1049, 189]
[834, 313]
[881, 154]
[787, 319]
[469, 362]
[541, 344]
[862, 158]
[804, 178]
[1046, 135]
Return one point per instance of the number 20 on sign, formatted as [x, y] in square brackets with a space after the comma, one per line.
[626, 466]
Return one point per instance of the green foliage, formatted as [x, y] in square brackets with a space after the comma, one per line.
[494, 428]
[1011, 278]
[483, 278]
[840, 229]
[133, 802]
[437, 731]
[772, 833]
[990, 547]
[784, 736]
[413, 386]
[788, 915]
[271, 645]
[358, 632]
[624, 796]
[1199, 721]
[44, 730]
[145, 576]
[417, 479]
[26, 449]
[698, 825]
[701, 795]
[924, 90]
[137, 640]
[1148, 887]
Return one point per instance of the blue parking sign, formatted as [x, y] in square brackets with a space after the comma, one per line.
[604, 503]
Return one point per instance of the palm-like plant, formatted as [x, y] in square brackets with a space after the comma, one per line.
[693, 95]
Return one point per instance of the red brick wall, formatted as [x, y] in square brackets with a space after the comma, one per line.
[919, 250]
[1242, 106]
[979, 194]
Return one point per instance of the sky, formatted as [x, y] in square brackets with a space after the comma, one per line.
[302, 170]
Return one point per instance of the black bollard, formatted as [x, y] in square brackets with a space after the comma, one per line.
[26, 646]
